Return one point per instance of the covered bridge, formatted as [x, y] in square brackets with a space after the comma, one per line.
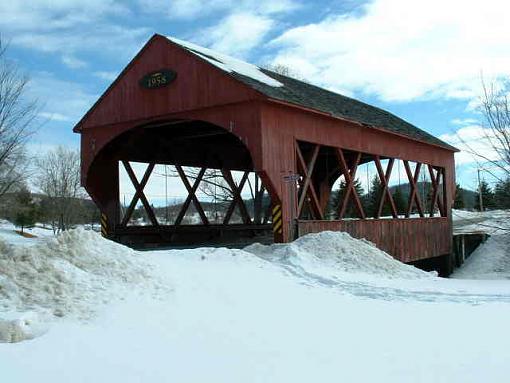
[180, 104]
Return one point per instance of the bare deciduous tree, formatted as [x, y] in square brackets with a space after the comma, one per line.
[58, 177]
[17, 115]
[496, 111]
[285, 71]
[494, 106]
[216, 188]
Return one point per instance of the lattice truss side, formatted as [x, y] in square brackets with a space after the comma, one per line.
[336, 183]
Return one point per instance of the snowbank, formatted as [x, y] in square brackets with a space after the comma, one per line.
[465, 214]
[491, 260]
[71, 275]
[340, 252]
[16, 328]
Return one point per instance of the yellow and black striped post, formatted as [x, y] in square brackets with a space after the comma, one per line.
[277, 219]
[104, 225]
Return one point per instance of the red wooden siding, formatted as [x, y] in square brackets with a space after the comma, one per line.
[407, 240]
[198, 85]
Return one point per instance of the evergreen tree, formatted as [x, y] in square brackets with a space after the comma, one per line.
[502, 194]
[25, 213]
[374, 197]
[458, 203]
[337, 199]
[400, 201]
[487, 197]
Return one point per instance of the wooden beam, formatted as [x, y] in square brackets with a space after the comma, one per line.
[445, 198]
[139, 193]
[236, 197]
[435, 178]
[414, 195]
[188, 200]
[192, 194]
[385, 177]
[349, 176]
[307, 188]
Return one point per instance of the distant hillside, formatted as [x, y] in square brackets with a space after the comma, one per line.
[424, 188]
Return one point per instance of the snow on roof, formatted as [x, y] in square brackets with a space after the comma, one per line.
[227, 63]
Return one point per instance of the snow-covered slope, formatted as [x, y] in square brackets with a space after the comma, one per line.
[315, 310]
[71, 275]
[337, 252]
[491, 260]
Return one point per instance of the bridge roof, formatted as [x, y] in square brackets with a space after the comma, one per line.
[290, 90]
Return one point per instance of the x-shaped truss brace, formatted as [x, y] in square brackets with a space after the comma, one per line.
[307, 188]
[191, 195]
[139, 195]
[349, 177]
[236, 197]
[385, 178]
[414, 195]
[435, 178]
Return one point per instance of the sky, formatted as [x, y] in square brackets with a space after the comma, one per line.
[422, 60]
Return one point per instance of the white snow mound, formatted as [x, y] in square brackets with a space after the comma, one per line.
[340, 252]
[71, 275]
[22, 327]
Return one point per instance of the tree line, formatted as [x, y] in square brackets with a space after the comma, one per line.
[497, 197]
[59, 201]
[54, 176]
[370, 200]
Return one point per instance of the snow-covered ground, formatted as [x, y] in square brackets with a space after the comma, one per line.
[8, 233]
[491, 260]
[325, 308]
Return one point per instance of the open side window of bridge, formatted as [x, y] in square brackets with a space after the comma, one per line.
[336, 183]
[208, 198]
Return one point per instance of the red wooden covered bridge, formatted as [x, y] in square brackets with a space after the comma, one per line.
[183, 105]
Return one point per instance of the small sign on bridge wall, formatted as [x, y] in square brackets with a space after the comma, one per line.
[158, 79]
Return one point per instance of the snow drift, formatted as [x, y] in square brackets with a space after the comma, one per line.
[491, 260]
[339, 252]
[71, 275]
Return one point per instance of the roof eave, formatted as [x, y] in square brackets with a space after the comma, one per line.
[316, 111]
[78, 127]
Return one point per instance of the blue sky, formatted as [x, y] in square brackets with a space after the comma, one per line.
[421, 60]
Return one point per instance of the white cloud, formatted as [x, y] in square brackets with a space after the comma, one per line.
[106, 75]
[404, 50]
[189, 9]
[463, 121]
[73, 62]
[242, 25]
[237, 33]
[70, 28]
[121, 41]
[54, 116]
[55, 14]
[473, 141]
[60, 100]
